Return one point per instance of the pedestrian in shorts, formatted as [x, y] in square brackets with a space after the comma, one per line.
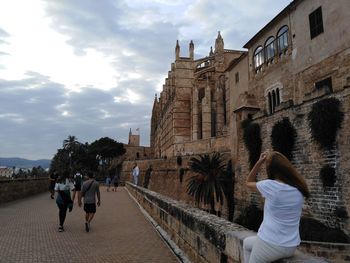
[89, 191]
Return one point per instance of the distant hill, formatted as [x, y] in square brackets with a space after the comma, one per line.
[24, 163]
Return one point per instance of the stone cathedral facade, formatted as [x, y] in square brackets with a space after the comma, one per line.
[191, 116]
[300, 59]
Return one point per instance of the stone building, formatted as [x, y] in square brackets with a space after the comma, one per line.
[134, 152]
[192, 114]
[299, 58]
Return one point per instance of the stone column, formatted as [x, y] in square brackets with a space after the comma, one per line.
[195, 115]
[219, 109]
[206, 114]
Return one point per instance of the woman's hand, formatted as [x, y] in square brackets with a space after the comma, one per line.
[263, 157]
[251, 179]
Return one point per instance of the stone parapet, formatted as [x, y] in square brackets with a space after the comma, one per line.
[201, 236]
[14, 189]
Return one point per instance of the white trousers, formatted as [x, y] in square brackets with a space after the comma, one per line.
[136, 179]
[257, 250]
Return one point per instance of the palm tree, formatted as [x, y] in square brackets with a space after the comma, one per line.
[206, 185]
[70, 143]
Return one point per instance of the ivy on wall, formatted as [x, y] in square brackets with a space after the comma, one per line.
[327, 175]
[283, 137]
[312, 230]
[325, 119]
[252, 140]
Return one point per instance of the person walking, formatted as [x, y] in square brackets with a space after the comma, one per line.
[63, 200]
[89, 191]
[135, 174]
[108, 182]
[284, 192]
[147, 176]
[115, 182]
[77, 181]
[53, 180]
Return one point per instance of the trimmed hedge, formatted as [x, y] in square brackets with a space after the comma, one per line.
[313, 230]
[283, 137]
[328, 175]
[325, 119]
[252, 140]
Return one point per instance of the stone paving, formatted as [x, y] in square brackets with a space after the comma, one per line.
[119, 233]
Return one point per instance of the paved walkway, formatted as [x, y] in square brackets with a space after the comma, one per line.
[119, 233]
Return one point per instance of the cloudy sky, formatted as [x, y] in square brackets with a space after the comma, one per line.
[91, 68]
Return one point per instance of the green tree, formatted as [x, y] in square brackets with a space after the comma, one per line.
[107, 149]
[206, 185]
[104, 150]
[61, 161]
[84, 159]
[71, 143]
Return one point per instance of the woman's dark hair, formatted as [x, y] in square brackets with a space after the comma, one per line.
[279, 167]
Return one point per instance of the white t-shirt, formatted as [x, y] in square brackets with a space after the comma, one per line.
[66, 186]
[282, 211]
[136, 171]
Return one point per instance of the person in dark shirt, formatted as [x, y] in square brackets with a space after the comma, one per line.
[89, 191]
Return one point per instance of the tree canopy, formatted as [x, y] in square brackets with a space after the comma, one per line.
[76, 156]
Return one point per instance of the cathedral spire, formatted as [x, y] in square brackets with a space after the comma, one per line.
[211, 53]
[219, 43]
[191, 48]
[177, 50]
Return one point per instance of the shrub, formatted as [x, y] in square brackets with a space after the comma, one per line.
[325, 118]
[313, 230]
[251, 217]
[328, 176]
[283, 137]
[252, 140]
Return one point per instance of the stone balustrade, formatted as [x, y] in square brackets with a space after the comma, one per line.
[13, 189]
[202, 237]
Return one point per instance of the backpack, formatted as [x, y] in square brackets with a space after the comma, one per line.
[78, 179]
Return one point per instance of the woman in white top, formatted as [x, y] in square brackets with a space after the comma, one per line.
[284, 192]
[64, 202]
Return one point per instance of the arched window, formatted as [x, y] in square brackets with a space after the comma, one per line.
[273, 101]
[270, 102]
[282, 39]
[258, 57]
[273, 98]
[278, 96]
[270, 48]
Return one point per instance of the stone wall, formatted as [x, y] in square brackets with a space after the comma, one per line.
[201, 236]
[165, 177]
[11, 190]
[338, 253]
[308, 159]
